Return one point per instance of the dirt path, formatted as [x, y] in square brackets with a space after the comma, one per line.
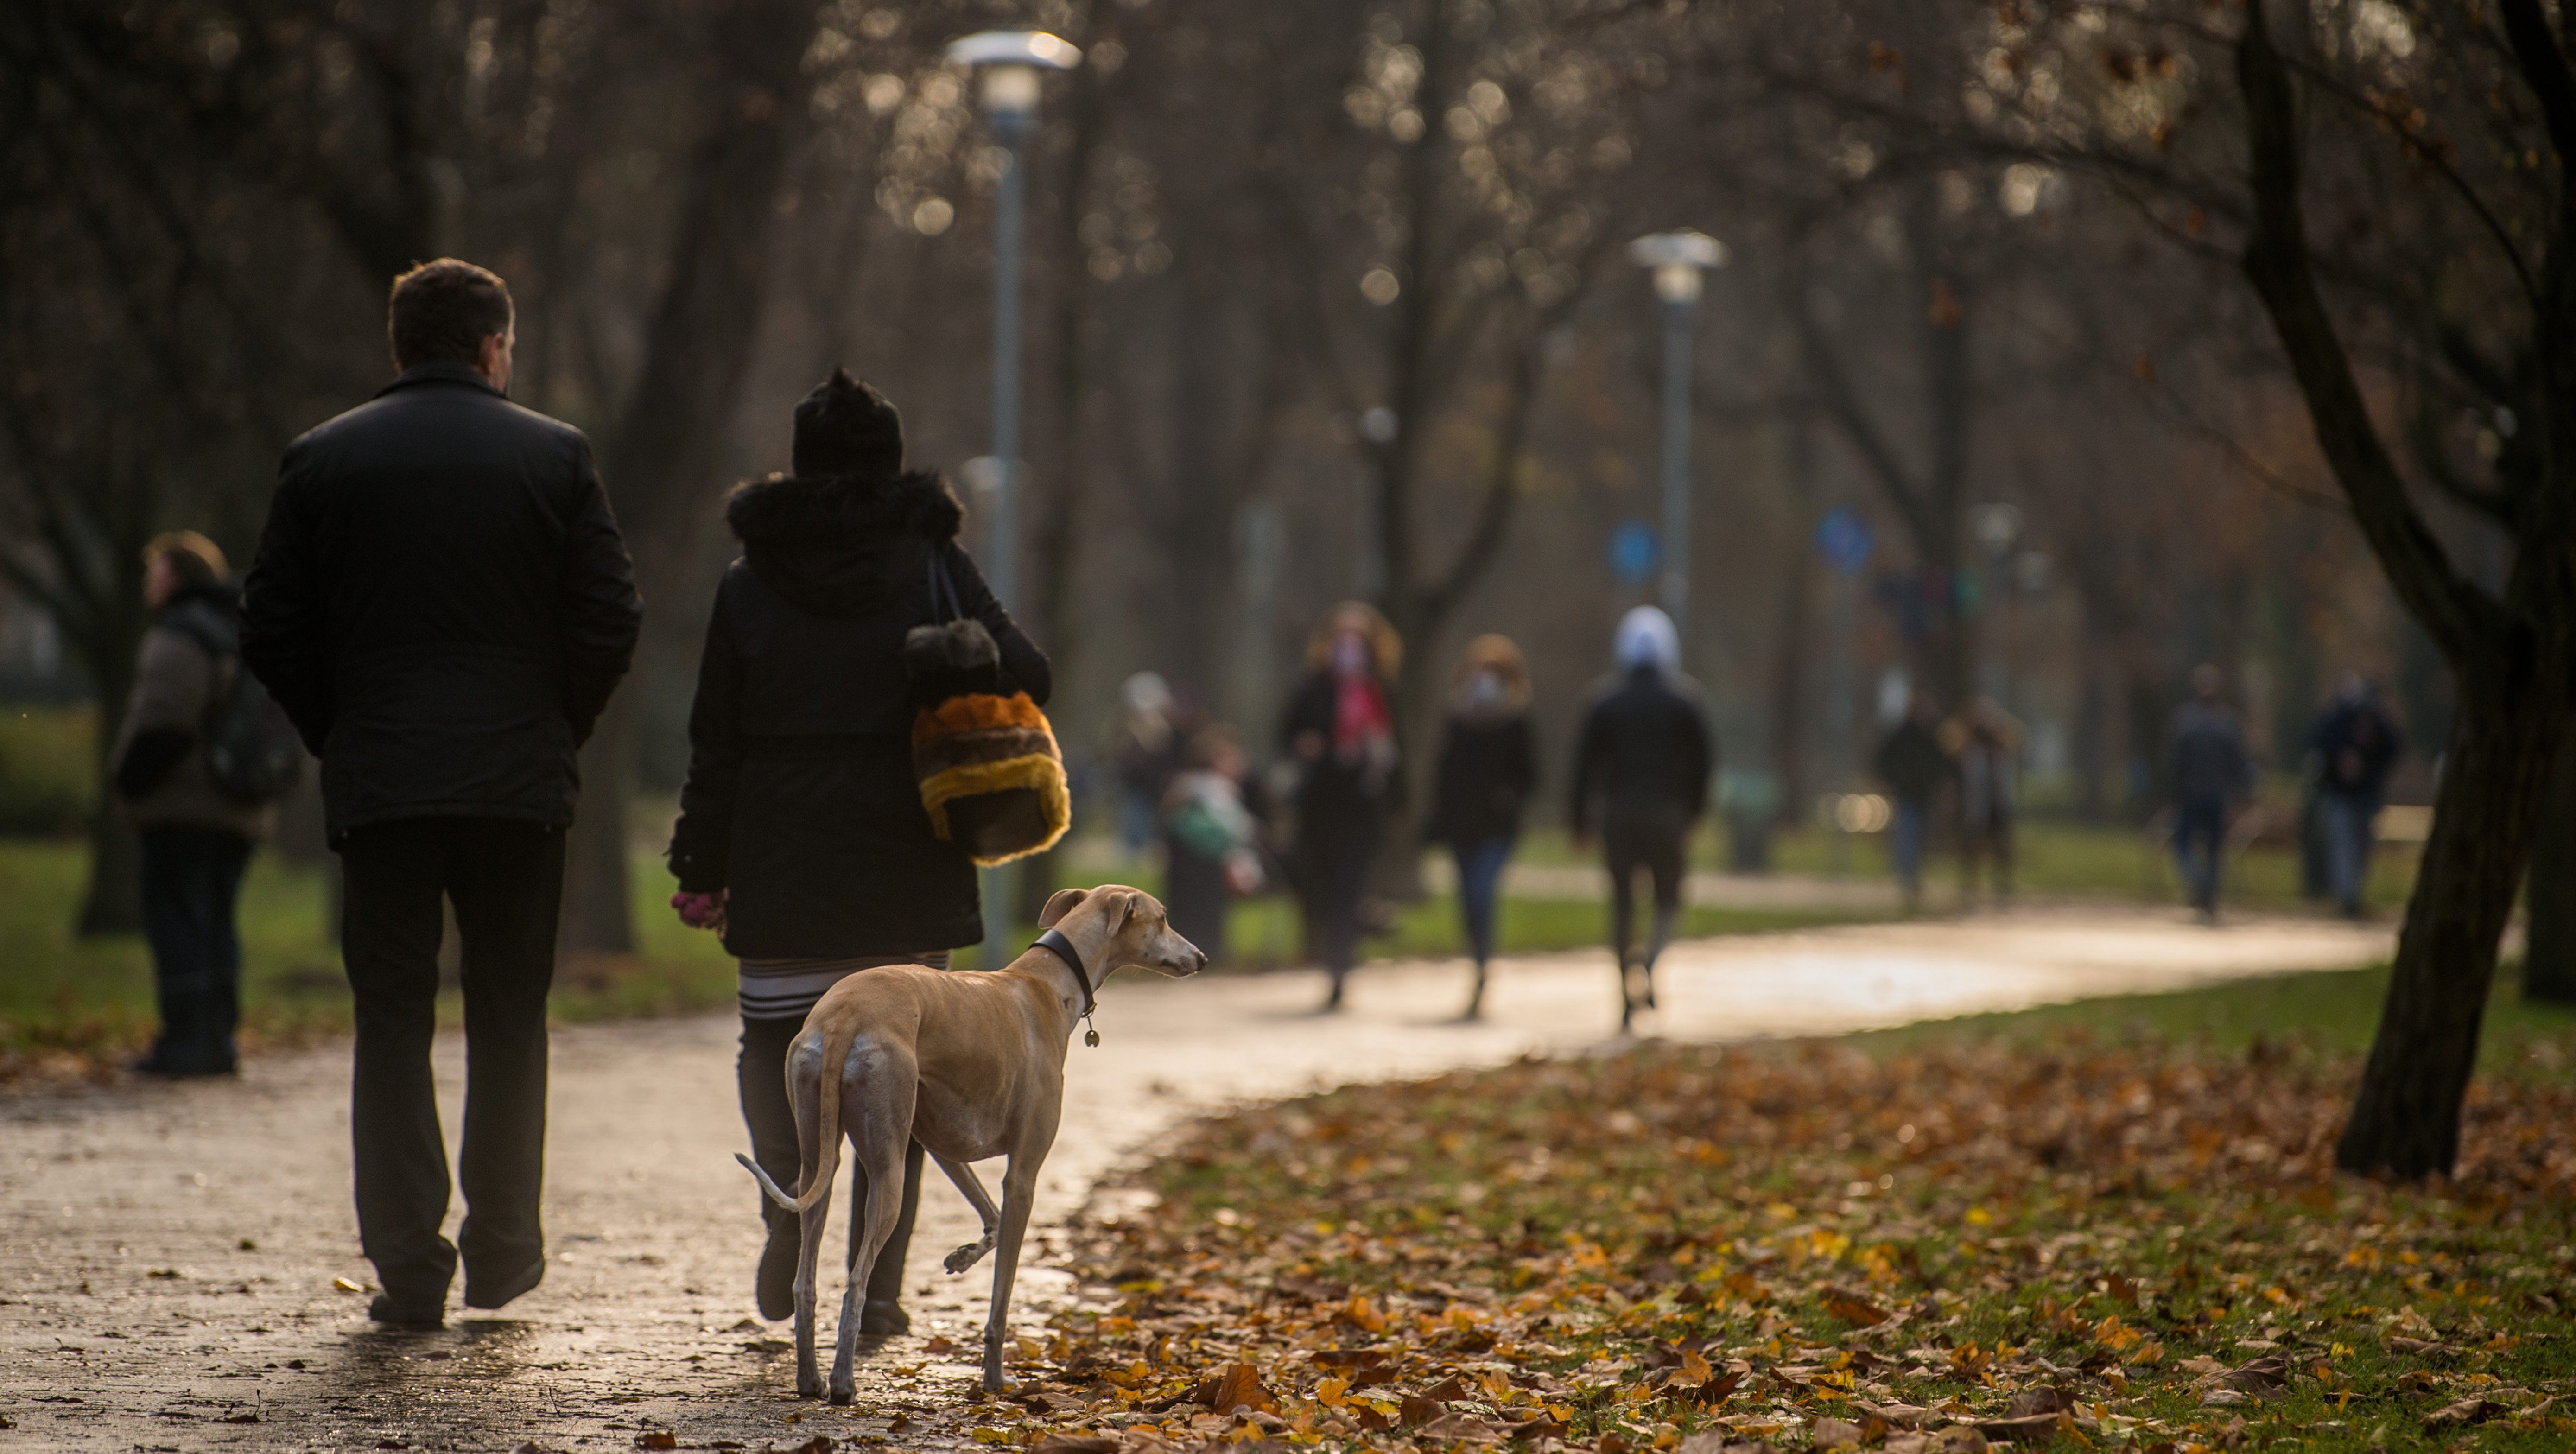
[168, 1253]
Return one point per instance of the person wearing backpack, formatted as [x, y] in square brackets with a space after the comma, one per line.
[196, 837]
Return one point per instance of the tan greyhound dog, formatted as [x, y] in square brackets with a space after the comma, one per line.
[971, 1065]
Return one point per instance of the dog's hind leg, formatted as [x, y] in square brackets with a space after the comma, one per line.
[805, 1091]
[1019, 1193]
[878, 1084]
[972, 1187]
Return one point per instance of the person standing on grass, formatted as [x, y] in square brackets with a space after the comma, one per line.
[196, 838]
[2210, 771]
[443, 605]
[1984, 744]
[1915, 767]
[1340, 731]
[2356, 746]
[1488, 769]
[802, 837]
[1641, 771]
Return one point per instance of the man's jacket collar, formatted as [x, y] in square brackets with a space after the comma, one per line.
[441, 371]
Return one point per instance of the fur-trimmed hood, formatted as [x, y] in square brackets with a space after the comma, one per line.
[836, 545]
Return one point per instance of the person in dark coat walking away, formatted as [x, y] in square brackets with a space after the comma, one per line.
[1144, 752]
[1340, 730]
[1211, 819]
[196, 838]
[2210, 773]
[2356, 746]
[1641, 771]
[1488, 769]
[443, 605]
[802, 837]
[1915, 767]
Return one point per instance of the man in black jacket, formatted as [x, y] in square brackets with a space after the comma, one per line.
[442, 603]
[1644, 759]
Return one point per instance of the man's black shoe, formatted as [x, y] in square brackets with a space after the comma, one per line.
[883, 1317]
[384, 1309]
[156, 1064]
[493, 1292]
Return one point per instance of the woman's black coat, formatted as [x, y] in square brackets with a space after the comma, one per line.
[1488, 769]
[801, 799]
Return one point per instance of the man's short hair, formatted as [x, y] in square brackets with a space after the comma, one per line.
[444, 310]
[197, 560]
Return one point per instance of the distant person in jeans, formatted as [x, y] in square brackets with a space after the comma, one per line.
[1915, 767]
[1488, 769]
[196, 839]
[1641, 771]
[2210, 771]
[2356, 746]
[443, 605]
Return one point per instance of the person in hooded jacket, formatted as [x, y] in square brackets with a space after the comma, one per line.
[1641, 771]
[195, 838]
[1488, 769]
[802, 837]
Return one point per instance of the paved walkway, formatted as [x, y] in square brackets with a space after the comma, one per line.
[168, 1253]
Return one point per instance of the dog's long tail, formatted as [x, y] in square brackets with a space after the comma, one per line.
[827, 1164]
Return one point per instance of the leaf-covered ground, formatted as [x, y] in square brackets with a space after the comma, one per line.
[1936, 1246]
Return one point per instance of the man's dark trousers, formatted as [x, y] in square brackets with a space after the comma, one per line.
[505, 878]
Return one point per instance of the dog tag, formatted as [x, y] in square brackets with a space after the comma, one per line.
[1091, 1038]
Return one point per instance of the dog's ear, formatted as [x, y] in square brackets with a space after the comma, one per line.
[1059, 904]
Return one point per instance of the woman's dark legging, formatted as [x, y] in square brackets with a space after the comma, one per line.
[761, 1071]
[1480, 875]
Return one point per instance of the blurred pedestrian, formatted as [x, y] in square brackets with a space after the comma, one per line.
[2210, 772]
[1211, 838]
[802, 838]
[1915, 767]
[1641, 771]
[196, 836]
[1984, 742]
[443, 605]
[2356, 746]
[1340, 729]
[1144, 756]
[1488, 769]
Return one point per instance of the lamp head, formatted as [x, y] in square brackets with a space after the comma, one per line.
[1010, 61]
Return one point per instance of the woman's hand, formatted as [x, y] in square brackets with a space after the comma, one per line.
[703, 911]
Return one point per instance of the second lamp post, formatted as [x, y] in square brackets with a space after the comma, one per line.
[1007, 63]
[1677, 260]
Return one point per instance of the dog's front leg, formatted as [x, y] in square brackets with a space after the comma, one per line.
[972, 1187]
[1019, 1193]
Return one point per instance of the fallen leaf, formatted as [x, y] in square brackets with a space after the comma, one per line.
[657, 1439]
[939, 1344]
[1238, 1387]
[2474, 1410]
[345, 1285]
[1828, 1432]
[1076, 1444]
[1853, 1308]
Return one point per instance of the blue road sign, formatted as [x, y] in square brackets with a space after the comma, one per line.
[1844, 539]
[1634, 551]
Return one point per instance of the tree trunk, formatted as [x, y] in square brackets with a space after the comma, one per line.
[1789, 694]
[662, 460]
[2549, 951]
[2406, 1116]
[112, 903]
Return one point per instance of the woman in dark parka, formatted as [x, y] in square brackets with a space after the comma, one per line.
[801, 835]
[1488, 768]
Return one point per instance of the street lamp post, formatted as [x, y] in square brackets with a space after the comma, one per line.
[1996, 526]
[1007, 63]
[1677, 261]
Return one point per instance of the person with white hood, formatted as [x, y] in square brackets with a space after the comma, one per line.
[1641, 771]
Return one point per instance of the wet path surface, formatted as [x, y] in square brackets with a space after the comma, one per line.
[168, 1252]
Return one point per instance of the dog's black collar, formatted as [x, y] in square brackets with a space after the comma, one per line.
[1062, 948]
